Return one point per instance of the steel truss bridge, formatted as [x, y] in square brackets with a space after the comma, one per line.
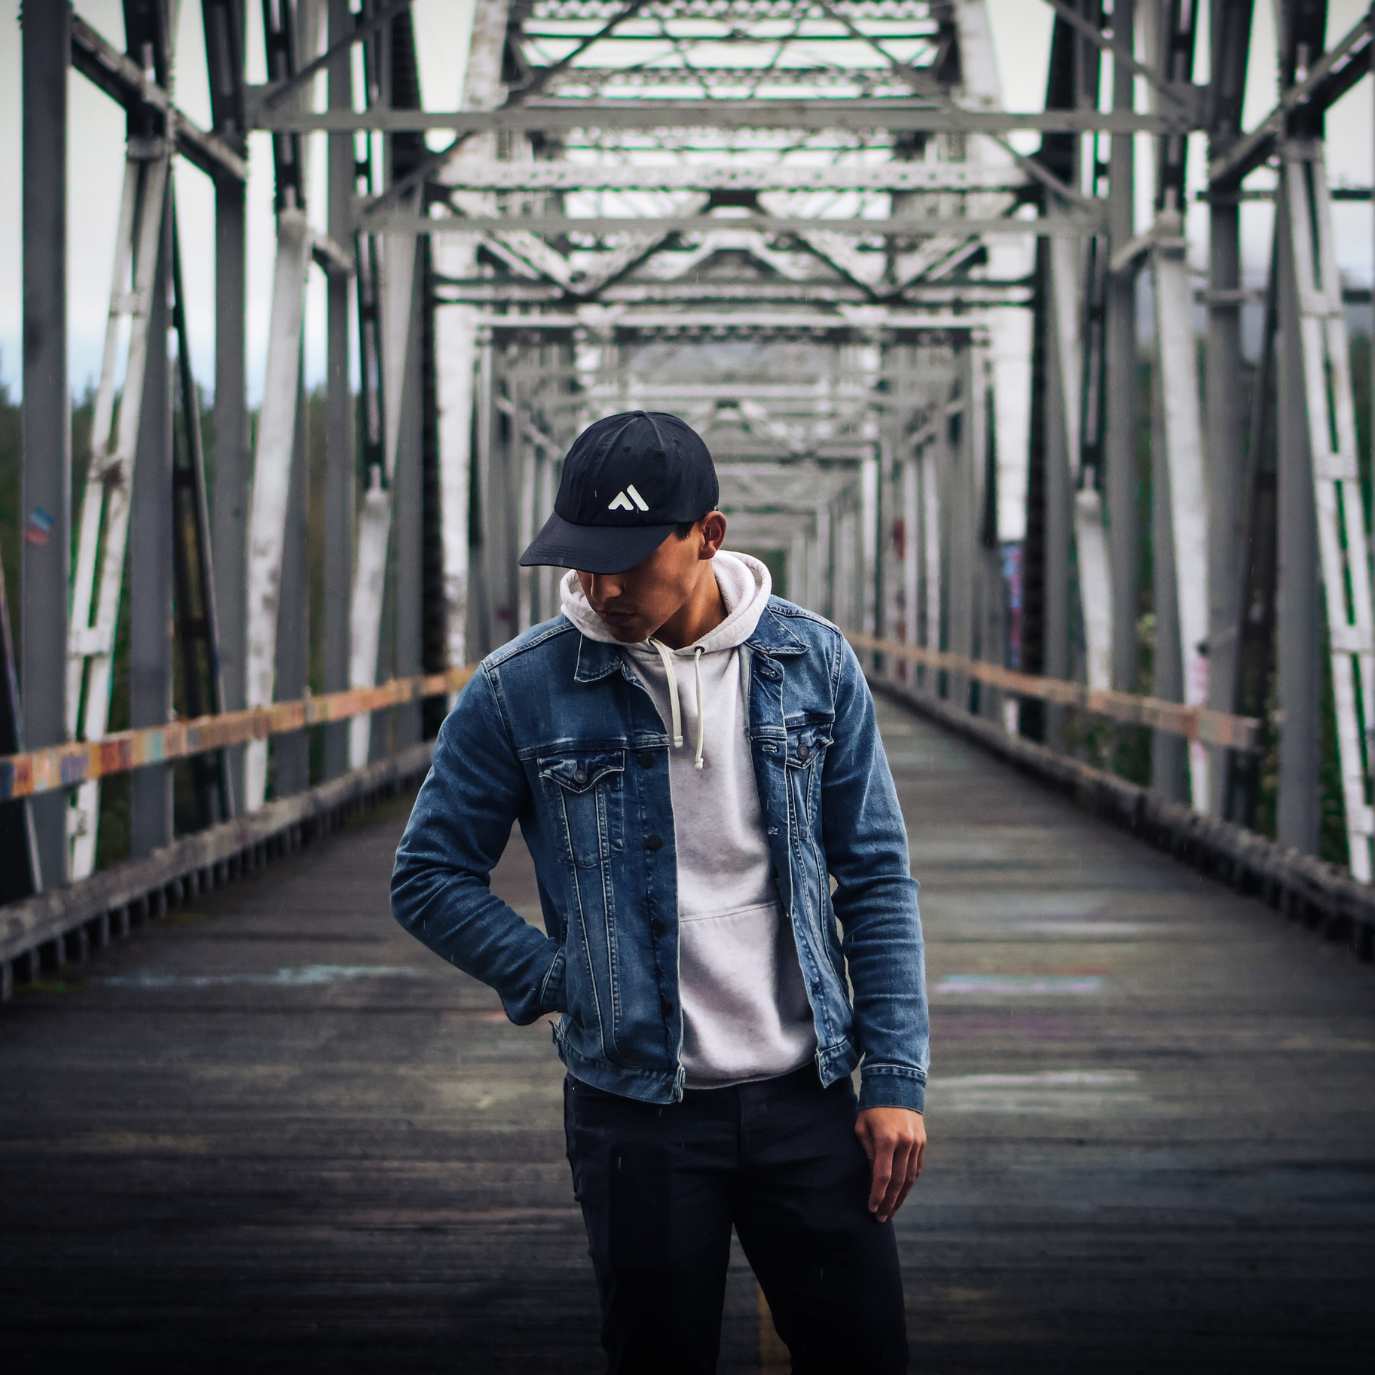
[910, 332]
[915, 327]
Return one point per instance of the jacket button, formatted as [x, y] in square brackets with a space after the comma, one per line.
[803, 751]
[644, 759]
[653, 842]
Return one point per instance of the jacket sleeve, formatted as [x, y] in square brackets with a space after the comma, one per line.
[875, 897]
[457, 831]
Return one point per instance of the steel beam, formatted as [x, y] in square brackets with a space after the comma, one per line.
[291, 753]
[1225, 419]
[120, 77]
[1327, 79]
[1318, 453]
[701, 322]
[272, 464]
[479, 174]
[407, 543]
[660, 226]
[398, 285]
[150, 563]
[47, 454]
[890, 115]
[807, 292]
[1179, 459]
[341, 468]
[1123, 480]
[456, 335]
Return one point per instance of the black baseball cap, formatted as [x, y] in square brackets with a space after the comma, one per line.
[627, 480]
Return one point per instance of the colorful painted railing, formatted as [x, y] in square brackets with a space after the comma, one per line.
[63, 766]
[1204, 724]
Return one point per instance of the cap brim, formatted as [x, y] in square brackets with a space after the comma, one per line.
[593, 548]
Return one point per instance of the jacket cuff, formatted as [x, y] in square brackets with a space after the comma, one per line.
[891, 1086]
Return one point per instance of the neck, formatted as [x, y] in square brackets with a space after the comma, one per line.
[703, 611]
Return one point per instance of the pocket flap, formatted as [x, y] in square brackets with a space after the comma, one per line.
[579, 772]
[805, 743]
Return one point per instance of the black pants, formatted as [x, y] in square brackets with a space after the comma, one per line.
[661, 1186]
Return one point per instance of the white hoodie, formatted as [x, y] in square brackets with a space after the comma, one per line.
[745, 1008]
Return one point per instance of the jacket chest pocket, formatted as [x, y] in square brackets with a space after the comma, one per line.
[806, 745]
[586, 790]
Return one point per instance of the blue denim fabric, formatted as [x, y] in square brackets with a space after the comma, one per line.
[555, 731]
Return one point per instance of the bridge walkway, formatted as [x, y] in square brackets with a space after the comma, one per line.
[281, 1130]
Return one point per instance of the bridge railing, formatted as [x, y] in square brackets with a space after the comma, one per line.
[59, 925]
[1305, 888]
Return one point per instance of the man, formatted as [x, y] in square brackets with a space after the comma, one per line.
[688, 757]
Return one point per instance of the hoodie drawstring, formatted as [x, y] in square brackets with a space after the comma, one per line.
[701, 707]
[666, 655]
[672, 690]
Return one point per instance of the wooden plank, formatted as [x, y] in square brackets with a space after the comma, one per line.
[280, 1124]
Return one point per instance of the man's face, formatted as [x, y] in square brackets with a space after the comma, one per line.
[636, 602]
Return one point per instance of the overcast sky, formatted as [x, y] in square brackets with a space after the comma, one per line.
[1021, 34]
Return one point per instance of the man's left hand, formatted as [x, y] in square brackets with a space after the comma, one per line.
[894, 1139]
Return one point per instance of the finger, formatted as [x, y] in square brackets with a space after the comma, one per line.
[882, 1175]
[901, 1154]
[906, 1189]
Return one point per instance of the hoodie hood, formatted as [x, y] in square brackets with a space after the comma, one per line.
[745, 588]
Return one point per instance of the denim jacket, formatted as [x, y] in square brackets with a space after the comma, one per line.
[555, 731]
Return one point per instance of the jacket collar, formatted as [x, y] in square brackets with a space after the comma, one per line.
[597, 658]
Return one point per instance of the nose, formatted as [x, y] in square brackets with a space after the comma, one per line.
[603, 588]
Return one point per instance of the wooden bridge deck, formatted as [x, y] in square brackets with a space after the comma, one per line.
[281, 1132]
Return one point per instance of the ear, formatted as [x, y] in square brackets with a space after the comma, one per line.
[713, 532]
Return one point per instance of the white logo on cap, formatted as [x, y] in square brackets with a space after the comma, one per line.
[622, 500]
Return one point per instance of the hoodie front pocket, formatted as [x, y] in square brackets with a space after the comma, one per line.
[586, 790]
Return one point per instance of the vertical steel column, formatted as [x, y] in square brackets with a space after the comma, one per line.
[957, 436]
[455, 360]
[989, 597]
[1229, 43]
[341, 472]
[1169, 768]
[868, 553]
[150, 561]
[1123, 479]
[520, 497]
[548, 601]
[1299, 610]
[1091, 590]
[230, 495]
[18, 843]
[1180, 452]
[408, 538]
[271, 495]
[930, 461]
[456, 328]
[913, 545]
[1179, 490]
[291, 753]
[484, 420]
[46, 500]
[1059, 523]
